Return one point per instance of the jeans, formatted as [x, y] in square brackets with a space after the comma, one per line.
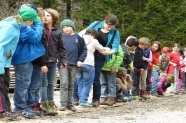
[35, 85]
[23, 73]
[136, 82]
[67, 77]
[84, 79]
[99, 62]
[4, 89]
[108, 84]
[155, 74]
[47, 86]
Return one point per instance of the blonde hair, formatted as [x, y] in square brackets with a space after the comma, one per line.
[41, 13]
[170, 78]
[144, 40]
[54, 14]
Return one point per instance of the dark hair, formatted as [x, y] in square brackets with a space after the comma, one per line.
[111, 19]
[132, 41]
[159, 46]
[92, 32]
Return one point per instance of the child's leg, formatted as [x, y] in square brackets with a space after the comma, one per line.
[136, 80]
[155, 75]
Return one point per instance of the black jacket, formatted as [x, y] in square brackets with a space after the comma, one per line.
[54, 46]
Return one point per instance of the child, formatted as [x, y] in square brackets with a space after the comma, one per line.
[108, 78]
[184, 71]
[153, 70]
[164, 83]
[122, 85]
[10, 32]
[129, 46]
[85, 75]
[76, 54]
[164, 61]
[174, 66]
[53, 42]
[147, 57]
[138, 67]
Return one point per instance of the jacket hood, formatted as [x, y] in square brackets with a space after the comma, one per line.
[11, 21]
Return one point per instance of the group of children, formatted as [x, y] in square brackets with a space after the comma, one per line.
[94, 57]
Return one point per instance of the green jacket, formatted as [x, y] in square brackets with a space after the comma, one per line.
[115, 61]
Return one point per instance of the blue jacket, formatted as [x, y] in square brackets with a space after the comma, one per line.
[10, 31]
[116, 39]
[30, 46]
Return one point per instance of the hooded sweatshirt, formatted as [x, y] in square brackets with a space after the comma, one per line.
[10, 31]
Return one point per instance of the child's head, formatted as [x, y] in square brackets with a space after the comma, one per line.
[156, 46]
[110, 21]
[170, 78]
[51, 16]
[92, 32]
[122, 72]
[175, 47]
[67, 26]
[132, 42]
[143, 42]
[165, 51]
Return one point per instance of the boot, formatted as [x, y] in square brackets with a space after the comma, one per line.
[52, 107]
[44, 106]
[95, 104]
[103, 100]
[110, 101]
[75, 101]
[143, 94]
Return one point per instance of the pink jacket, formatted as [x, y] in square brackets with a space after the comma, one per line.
[160, 89]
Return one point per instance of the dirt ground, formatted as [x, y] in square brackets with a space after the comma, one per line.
[168, 109]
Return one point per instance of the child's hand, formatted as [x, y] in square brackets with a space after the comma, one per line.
[113, 70]
[79, 64]
[44, 69]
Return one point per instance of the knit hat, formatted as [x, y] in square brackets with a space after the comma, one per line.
[165, 49]
[28, 13]
[67, 22]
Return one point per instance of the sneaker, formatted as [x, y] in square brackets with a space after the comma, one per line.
[136, 97]
[62, 108]
[9, 115]
[155, 94]
[37, 109]
[71, 107]
[127, 98]
[28, 113]
[85, 105]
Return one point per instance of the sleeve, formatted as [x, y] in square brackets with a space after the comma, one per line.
[116, 41]
[98, 46]
[31, 34]
[160, 85]
[150, 57]
[61, 49]
[5, 39]
[82, 49]
[119, 58]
